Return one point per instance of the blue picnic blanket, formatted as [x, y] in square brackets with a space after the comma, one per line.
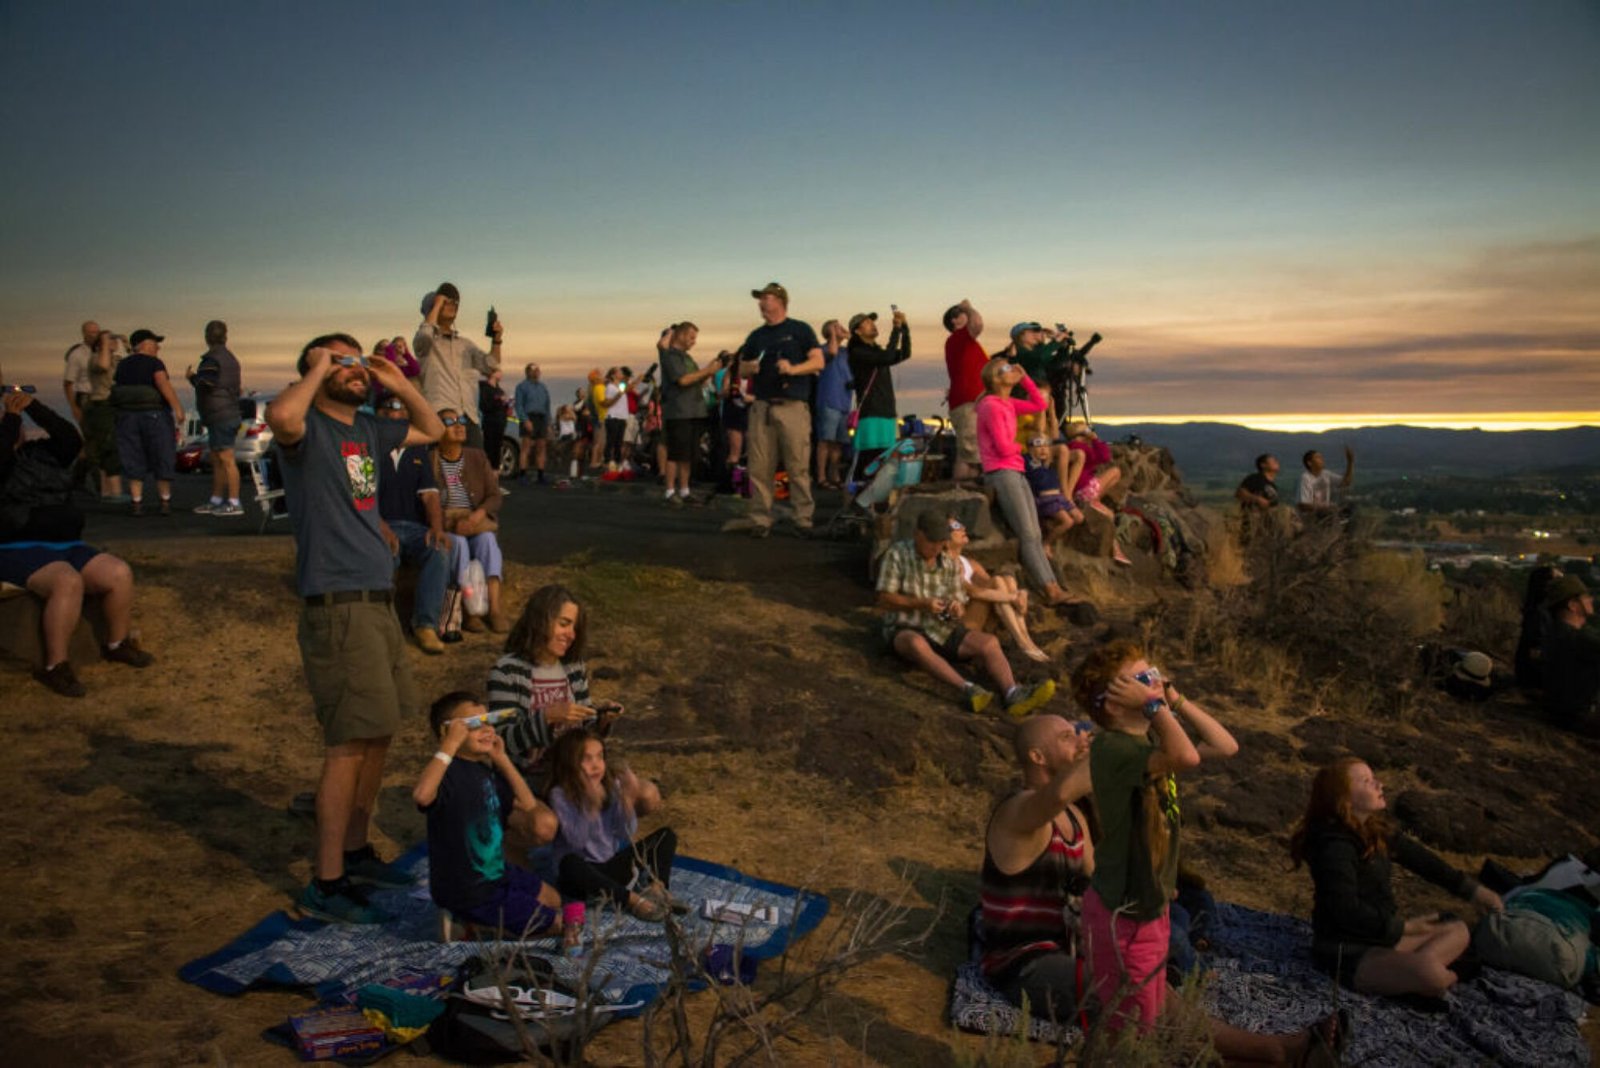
[333, 960]
[1262, 979]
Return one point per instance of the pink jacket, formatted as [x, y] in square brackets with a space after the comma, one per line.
[997, 427]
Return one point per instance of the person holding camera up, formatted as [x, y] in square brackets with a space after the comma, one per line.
[870, 368]
[683, 406]
[784, 357]
[919, 589]
[451, 363]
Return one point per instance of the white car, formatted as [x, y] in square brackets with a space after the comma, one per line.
[255, 436]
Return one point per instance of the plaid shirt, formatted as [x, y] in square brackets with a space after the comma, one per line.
[903, 571]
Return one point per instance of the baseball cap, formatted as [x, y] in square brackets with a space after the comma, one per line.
[1563, 590]
[860, 317]
[775, 289]
[935, 526]
[139, 337]
[1021, 327]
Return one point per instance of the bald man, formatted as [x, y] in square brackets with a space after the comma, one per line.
[1036, 864]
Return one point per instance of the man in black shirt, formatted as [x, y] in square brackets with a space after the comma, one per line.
[784, 357]
[1258, 494]
[40, 550]
[1572, 658]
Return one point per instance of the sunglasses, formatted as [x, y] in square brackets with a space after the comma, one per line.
[350, 361]
[488, 719]
[955, 524]
[1150, 677]
[395, 405]
[454, 420]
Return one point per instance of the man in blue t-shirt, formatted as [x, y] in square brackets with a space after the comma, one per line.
[350, 640]
[784, 358]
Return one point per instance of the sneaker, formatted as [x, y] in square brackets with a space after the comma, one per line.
[61, 679]
[804, 531]
[367, 867]
[228, 508]
[343, 905]
[428, 640]
[761, 531]
[166, 506]
[1031, 699]
[136, 509]
[128, 653]
[207, 508]
[977, 698]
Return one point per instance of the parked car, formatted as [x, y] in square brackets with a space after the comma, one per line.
[255, 436]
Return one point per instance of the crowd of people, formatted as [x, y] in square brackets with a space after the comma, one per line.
[389, 458]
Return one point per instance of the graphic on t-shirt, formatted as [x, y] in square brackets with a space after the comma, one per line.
[362, 474]
[484, 838]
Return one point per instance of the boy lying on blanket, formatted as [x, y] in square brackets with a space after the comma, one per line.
[470, 791]
[1038, 857]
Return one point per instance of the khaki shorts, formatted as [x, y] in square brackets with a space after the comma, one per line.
[964, 417]
[355, 662]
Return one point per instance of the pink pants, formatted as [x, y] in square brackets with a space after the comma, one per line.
[1128, 958]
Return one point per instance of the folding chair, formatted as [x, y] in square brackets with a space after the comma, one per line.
[269, 490]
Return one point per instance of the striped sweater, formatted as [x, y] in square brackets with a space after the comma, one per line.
[510, 686]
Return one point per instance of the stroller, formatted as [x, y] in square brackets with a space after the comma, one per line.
[897, 466]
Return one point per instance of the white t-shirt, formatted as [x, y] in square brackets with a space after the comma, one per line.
[616, 401]
[1317, 490]
[77, 368]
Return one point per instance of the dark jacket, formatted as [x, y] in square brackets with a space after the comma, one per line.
[869, 367]
[1354, 903]
[35, 480]
[1572, 676]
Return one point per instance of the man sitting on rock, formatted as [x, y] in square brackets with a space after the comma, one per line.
[1258, 497]
[919, 587]
[1572, 658]
[40, 548]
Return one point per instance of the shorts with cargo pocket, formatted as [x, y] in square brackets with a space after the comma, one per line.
[354, 657]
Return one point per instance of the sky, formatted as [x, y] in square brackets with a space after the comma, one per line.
[1276, 213]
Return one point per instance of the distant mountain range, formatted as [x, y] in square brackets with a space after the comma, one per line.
[1206, 451]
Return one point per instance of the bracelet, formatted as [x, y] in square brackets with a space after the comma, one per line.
[1182, 700]
[442, 757]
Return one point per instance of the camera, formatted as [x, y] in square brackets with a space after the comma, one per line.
[650, 373]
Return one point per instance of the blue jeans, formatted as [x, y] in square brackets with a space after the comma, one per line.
[433, 571]
[1015, 497]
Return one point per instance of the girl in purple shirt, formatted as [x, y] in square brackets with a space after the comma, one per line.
[599, 810]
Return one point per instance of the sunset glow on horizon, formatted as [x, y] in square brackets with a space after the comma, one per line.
[1329, 211]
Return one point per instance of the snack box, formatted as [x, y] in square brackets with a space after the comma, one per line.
[738, 912]
[323, 1034]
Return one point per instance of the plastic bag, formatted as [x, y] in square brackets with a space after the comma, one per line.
[475, 590]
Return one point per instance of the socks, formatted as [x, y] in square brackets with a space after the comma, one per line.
[214, 501]
[1013, 693]
[671, 493]
[234, 501]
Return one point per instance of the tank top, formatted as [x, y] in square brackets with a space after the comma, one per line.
[1035, 911]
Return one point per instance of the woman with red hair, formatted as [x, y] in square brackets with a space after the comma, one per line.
[1358, 936]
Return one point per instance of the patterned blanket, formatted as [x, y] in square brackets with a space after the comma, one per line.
[332, 960]
[1263, 980]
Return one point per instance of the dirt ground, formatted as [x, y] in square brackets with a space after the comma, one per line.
[149, 822]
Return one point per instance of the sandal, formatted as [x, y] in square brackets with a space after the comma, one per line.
[1326, 1041]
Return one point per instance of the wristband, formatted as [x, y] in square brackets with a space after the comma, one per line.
[442, 757]
[1182, 700]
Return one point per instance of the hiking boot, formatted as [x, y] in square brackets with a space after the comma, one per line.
[1031, 699]
[166, 506]
[428, 640]
[136, 509]
[342, 905]
[128, 652]
[473, 625]
[207, 508]
[498, 623]
[228, 508]
[976, 698]
[61, 679]
[365, 866]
